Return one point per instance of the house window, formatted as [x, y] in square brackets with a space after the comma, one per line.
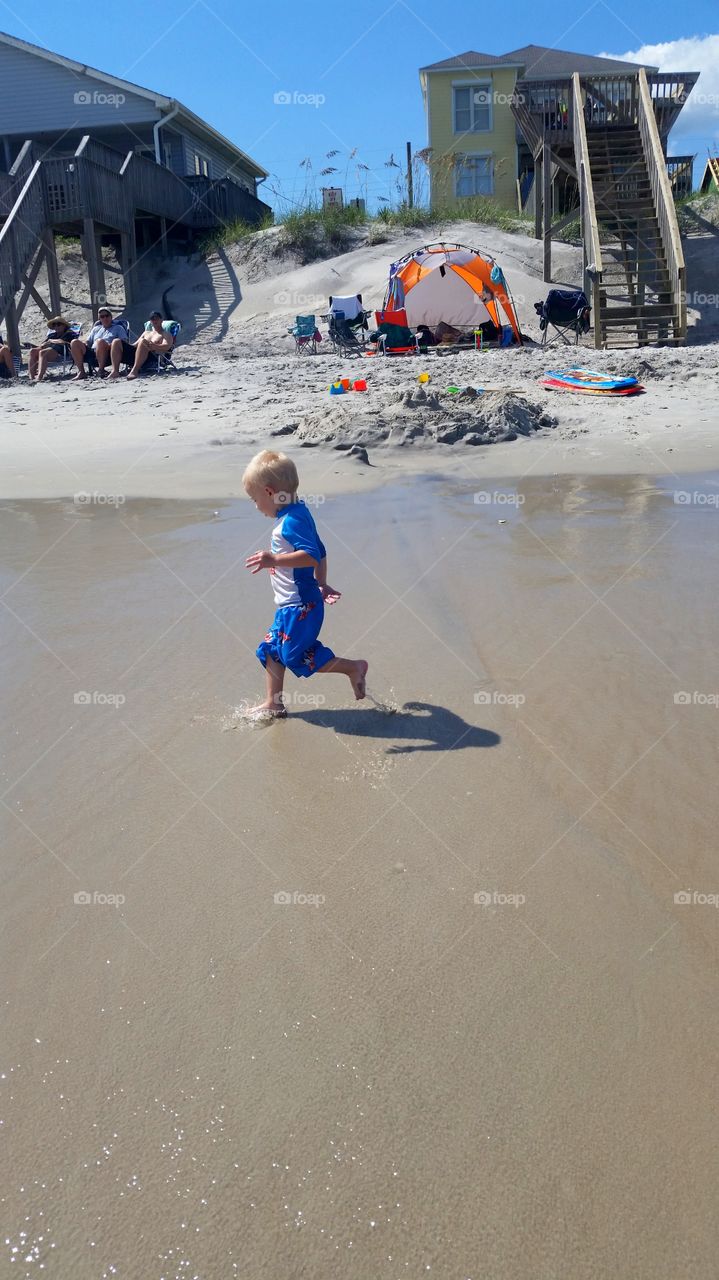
[474, 176]
[202, 166]
[472, 108]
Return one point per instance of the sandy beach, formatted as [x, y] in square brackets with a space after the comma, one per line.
[394, 989]
[188, 435]
[472, 1035]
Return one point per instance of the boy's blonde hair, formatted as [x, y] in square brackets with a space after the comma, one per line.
[272, 470]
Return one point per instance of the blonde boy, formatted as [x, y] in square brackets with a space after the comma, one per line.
[297, 561]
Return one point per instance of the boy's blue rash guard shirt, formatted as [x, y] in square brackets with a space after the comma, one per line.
[295, 531]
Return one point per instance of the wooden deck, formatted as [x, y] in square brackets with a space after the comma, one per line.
[94, 191]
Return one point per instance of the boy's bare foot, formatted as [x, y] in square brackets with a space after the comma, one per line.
[79, 377]
[112, 377]
[266, 711]
[131, 376]
[359, 679]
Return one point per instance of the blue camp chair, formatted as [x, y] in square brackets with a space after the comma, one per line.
[163, 359]
[304, 331]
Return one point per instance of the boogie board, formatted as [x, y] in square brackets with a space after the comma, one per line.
[588, 378]
[584, 389]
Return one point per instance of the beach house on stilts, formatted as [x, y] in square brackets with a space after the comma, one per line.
[83, 153]
[570, 137]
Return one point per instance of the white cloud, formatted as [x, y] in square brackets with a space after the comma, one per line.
[698, 124]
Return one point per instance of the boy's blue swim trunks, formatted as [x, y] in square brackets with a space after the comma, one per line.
[292, 639]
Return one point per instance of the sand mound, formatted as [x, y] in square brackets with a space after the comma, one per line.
[418, 417]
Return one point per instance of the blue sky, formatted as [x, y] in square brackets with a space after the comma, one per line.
[352, 68]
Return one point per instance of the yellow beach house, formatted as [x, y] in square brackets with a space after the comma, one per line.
[474, 146]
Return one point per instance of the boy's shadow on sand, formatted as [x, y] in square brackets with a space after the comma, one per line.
[436, 727]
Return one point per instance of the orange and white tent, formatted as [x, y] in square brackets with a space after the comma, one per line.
[451, 283]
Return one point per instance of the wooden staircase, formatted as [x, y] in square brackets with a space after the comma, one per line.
[608, 134]
[634, 273]
[636, 301]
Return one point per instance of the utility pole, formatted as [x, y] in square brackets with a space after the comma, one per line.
[410, 182]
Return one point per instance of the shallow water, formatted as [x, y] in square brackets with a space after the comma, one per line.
[282, 1038]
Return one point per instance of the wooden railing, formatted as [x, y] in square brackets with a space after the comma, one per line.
[543, 111]
[663, 202]
[593, 265]
[543, 108]
[680, 170]
[100, 154]
[20, 234]
[224, 202]
[156, 190]
[669, 91]
[12, 183]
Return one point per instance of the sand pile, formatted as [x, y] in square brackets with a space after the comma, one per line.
[418, 417]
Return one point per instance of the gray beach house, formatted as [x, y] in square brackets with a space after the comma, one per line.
[86, 153]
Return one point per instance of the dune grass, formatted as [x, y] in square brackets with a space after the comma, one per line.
[312, 231]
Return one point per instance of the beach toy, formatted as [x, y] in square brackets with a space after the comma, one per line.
[424, 377]
[359, 384]
[452, 391]
[345, 383]
[337, 389]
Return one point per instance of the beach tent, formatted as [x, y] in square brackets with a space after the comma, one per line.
[449, 282]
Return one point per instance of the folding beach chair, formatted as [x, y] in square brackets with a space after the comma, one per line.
[66, 356]
[163, 362]
[91, 358]
[306, 335]
[565, 310]
[347, 321]
[394, 336]
[76, 331]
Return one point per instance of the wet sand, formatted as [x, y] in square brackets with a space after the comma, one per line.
[381, 1076]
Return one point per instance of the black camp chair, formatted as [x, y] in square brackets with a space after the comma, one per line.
[567, 311]
[343, 336]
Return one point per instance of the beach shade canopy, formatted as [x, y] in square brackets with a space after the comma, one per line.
[449, 282]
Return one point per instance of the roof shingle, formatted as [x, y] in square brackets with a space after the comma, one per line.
[537, 61]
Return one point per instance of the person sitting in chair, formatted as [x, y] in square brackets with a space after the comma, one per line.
[154, 341]
[107, 338]
[7, 368]
[59, 336]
